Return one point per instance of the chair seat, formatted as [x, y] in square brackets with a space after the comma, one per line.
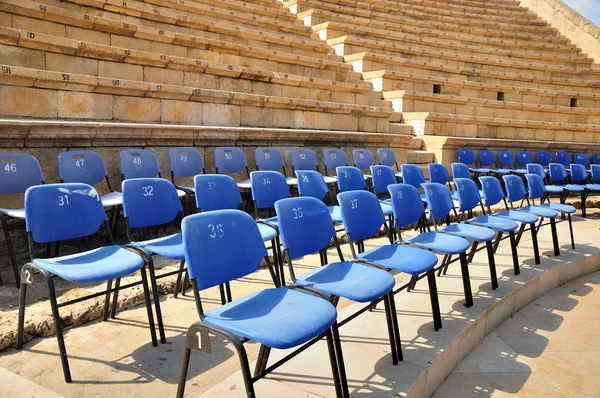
[447, 244]
[409, 260]
[540, 211]
[398, 174]
[497, 223]
[181, 193]
[520, 171]
[574, 188]
[14, 213]
[112, 199]
[562, 208]
[291, 180]
[520, 216]
[274, 221]
[554, 189]
[592, 187]
[480, 170]
[266, 232]
[167, 246]
[330, 180]
[187, 189]
[386, 208]
[335, 213]
[502, 171]
[244, 184]
[351, 280]
[280, 318]
[95, 265]
[467, 231]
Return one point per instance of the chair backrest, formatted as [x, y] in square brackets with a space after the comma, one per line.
[492, 189]
[515, 187]
[596, 158]
[268, 159]
[525, 158]
[582, 158]
[221, 246]
[563, 158]
[595, 172]
[350, 179]
[439, 201]
[139, 163]
[185, 162]
[544, 158]
[56, 212]
[267, 188]
[81, 166]
[334, 158]
[507, 159]
[312, 184]
[460, 170]
[468, 193]
[534, 168]
[438, 173]
[362, 158]
[406, 204]
[386, 157]
[19, 171]
[304, 224]
[466, 156]
[361, 214]
[150, 201]
[382, 176]
[216, 192]
[535, 186]
[487, 158]
[578, 173]
[304, 159]
[229, 160]
[558, 172]
[412, 175]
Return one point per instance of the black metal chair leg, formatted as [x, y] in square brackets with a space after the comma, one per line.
[435, 302]
[515, 254]
[156, 297]
[464, 268]
[388, 318]
[335, 334]
[554, 237]
[396, 327]
[21, 321]
[472, 252]
[178, 282]
[263, 358]
[571, 231]
[148, 306]
[228, 292]
[183, 374]
[222, 293]
[11, 252]
[334, 365]
[186, 282]
[58, 327]
[492, 261]
[113, 311]
[536, 249]
[107, 300]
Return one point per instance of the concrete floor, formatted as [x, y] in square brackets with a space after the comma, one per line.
[115, 358]
[550, 348]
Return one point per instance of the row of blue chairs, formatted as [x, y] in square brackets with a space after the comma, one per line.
[221, 244]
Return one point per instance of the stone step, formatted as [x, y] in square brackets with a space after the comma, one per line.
[401, 129]
[416, 143]
[420, 157]
[14, 385]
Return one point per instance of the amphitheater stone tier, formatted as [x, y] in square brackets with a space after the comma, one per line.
[413, 75]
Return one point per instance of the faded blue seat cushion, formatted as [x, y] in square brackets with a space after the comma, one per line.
[335, 213]
[402, 258]
[266, 231]
[574, 188]
[97, 265]
[479, 170]
[502, 171]
[274, 221]
[14, 213]
[468, 231]
[279, 318]
[519, 216]
[441, 242]
[499, 223]
[351, 280]
[554, 188]
[562, 208]
[540, 211]
[167, 246]
[112, 199]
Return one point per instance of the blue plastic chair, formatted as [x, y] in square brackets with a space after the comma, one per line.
[516, 193]
[595, 176]
[524, 158]
[333, 158]
[460, 170]
[307, 228]
[231, 160]
[508, 162]
[493, 193]
[559, 177]
[18, 171]
[582, 159]
[467, 156]
[387, 157]
[58, 212]
[382, 177]
[580, 177]
[220, 192]
[363, 219]
[439, 173]
[363, 159]
[185, 162]
[544, 158]
[224, 245]
[596, 158]
[142, 163]
[409, 210]
[352, 179]
[534, 168]
[312, 184]
[413, 175]
[535, 186]
[563, 158]
[270, 159]
[469, 198]
[306, 159]
[487, 159]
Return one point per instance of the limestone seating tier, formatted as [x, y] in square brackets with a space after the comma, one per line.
[350, 44]
[136, 37]
[539, 28]
[416, 101]
[443, 124]
[316, 16]
[487, 6]
[332, 30]
[395, 81]
[368, 62]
